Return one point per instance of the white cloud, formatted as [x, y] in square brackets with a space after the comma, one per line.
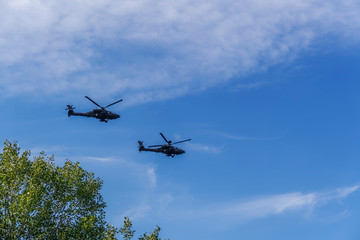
[152, 50]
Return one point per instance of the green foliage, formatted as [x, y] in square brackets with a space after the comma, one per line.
[39, 200]
[127, 233]
[154, 235]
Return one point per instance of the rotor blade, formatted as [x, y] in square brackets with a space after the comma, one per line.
[182, 141]
[164, 138]
[113, 103]
[154, 146]
[69, 107]
[94, 102]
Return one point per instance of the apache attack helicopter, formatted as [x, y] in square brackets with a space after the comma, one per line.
[167, 149]
[102, 114]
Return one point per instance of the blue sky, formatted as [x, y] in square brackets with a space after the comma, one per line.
[268, 91]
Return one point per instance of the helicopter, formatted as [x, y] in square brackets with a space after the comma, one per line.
[167, 149]
[102, 114]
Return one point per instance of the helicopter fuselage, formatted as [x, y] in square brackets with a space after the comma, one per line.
[170, 151]
[102, 115]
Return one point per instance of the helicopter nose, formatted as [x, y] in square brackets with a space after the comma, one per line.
[117, 115]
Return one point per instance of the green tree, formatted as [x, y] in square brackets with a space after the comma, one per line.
[40, 200]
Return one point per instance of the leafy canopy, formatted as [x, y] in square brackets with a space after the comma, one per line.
[40, 200]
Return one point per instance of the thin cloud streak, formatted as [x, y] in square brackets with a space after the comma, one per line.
[47, 149]
[152, 176]
[100, 159]
[249, 86]
[244, 138]
[204, 148]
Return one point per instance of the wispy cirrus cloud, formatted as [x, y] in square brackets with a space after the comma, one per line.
[267, 206]
[154, 204]
[148, 51]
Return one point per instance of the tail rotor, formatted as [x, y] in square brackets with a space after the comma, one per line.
[141, 146]
[70, 110]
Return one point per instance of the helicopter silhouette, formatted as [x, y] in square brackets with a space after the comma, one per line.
[102, 114]
[167, 149]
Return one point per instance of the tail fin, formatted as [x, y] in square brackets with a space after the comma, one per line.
[70, 109]
[141, 146]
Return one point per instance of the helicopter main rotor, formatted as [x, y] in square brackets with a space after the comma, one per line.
[169, 142]
[101, 106]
